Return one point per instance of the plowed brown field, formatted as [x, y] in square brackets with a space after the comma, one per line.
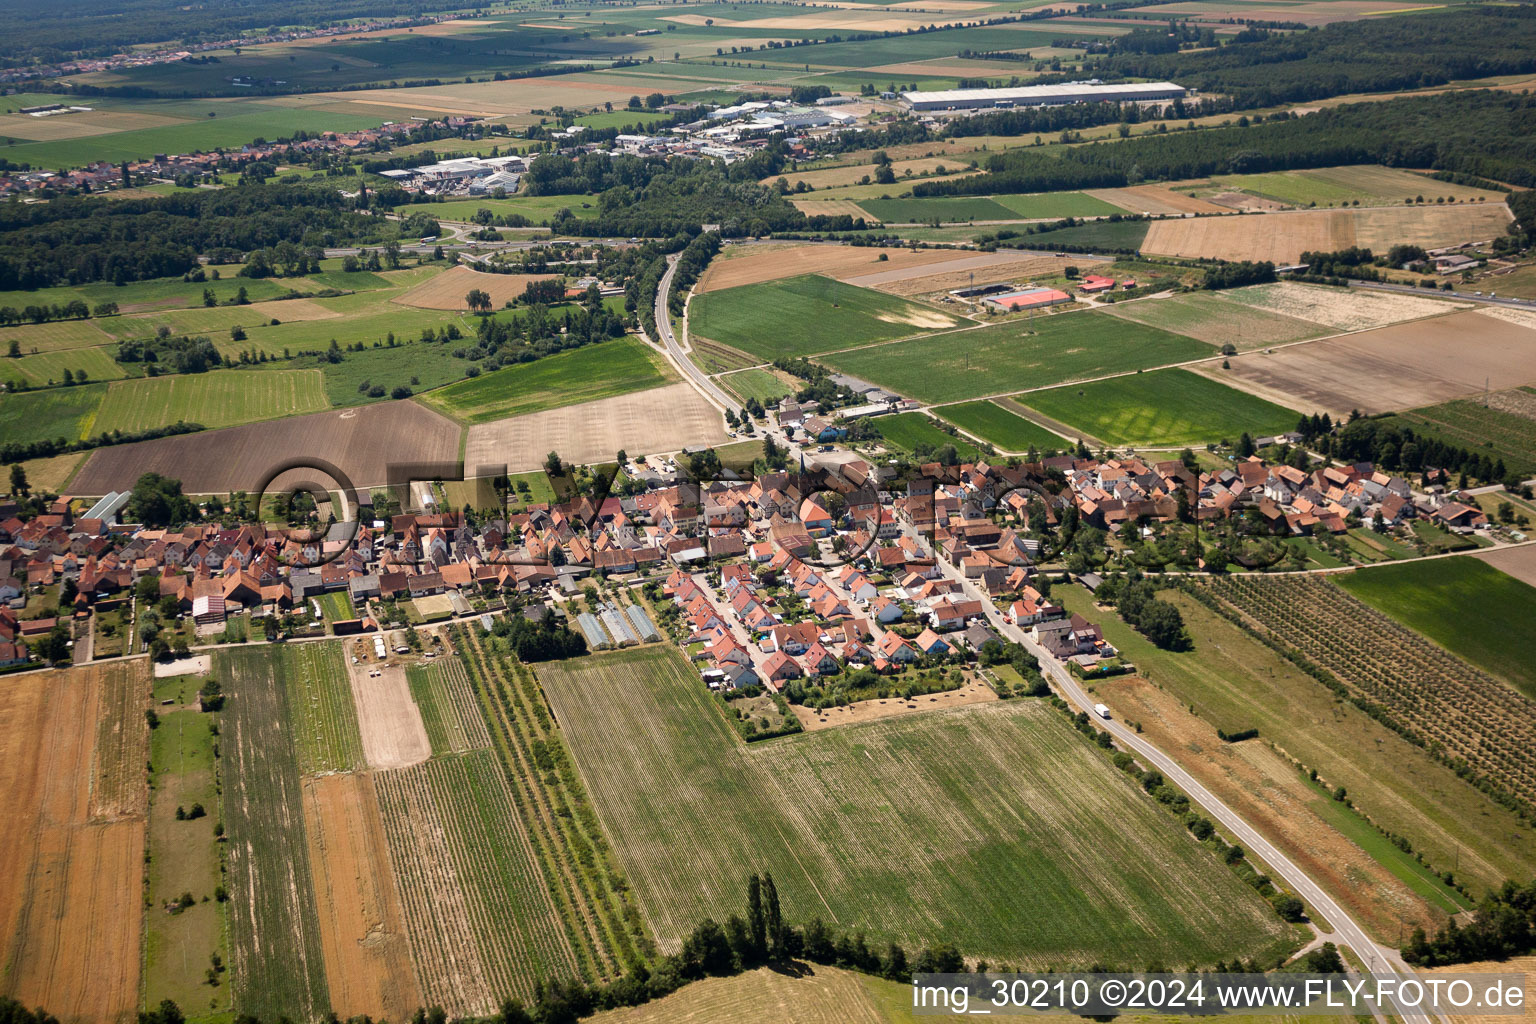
[447, 290]
[73, 796]
[362, 926]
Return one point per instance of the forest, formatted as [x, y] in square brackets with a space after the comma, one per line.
[1487, 134]
[76, 241]
[1261, 68]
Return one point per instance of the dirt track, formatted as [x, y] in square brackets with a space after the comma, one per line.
[659, 420]
[362, 926]
[393, 733]
[70, 907]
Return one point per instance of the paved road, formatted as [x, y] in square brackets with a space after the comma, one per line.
[1377, 958]
[697, 377]
[1458, 295]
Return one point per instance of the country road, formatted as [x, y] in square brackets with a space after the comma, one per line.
[1376, 957]
[697, 377]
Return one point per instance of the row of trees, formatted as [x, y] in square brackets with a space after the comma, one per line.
[1504, 926]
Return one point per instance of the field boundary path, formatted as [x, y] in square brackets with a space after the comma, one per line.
[1378, 958]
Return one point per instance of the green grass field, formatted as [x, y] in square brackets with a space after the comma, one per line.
[907, 430]
[336, 605]
[48, 367]
[415, 366]
[1484, 429]
[275, 957]
[221, 398]
[1161, 408]
[1235, 682]
[56, 412]
[763, 385]
[1005, 430]
[184, 857]
[1121, 235]
[1367, 184]
[976, 826]
[538, 209]
[801, 315]
[1015, 355]
[1056, 205]
[580, 375]
[1463, 604]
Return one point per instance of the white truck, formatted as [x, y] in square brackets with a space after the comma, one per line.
[1101, 711]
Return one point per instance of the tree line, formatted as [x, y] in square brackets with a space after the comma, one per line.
[1503, 926]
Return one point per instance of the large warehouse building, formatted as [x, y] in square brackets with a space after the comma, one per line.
[1044, 95]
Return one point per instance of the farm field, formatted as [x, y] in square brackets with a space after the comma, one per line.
[1154, 200]
[1214, 318]
[908, 430]
[48, 368]
[44, 415]
[763, 385]
[850, 821]
[222, 398]
[1234, 682]
[596, 371]
[736, 266]
[447, 290]
[1095, 236]
[1404, 366]
[850, 174]
[1006, 430]
[324, 722]
[52, 474]
[448, 709]
[998, 266]
[1429, 691]
[74, 796]
[1162, 408]
[662, 419]
[1505, 427]
[184, 857]
[946, 209]
[801, 315]
[1368, 184]
[362, 442]
[1017, 354]
[388, 720]
[362, 925]
[1283, 237]
[1463, 604]
[1340, 310]
[277, 961]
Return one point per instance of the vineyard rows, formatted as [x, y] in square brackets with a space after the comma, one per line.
[600, 918]
[320, 703]
[448, 709]
[1482, 727]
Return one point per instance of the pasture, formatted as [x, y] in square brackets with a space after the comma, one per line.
[1463, 604]
[73, 796]
[891, 826]
[911, 430]
[276, 955]
[222, 398]
[1018, 354]
[1217, 319]
[596, 371]
[802, 315]
[1006, 430]
[1163, 408]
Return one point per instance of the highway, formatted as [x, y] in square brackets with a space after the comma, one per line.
[1377, 958]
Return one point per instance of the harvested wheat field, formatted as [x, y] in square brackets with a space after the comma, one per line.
[362, 926]
[447, 290]
[1283, 237]
[1355, 309]
[1400, 367]
[361, 442]
[659, 420]
[875, 21]
[1000, 266]
[393, 733]
[974, 692]
[838, 261]
[1519, 562]
[73, 796]
[850, 174]
[1154, 199]
[1263, 787]
[834, 208]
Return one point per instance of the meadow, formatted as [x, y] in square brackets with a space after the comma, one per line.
[1094, 236]
[57, 412]
[763, 385]
[976, 826]
[222, 398]
[1018, 354]
[907, 430]
[798, 316]
[1364, 184]
[1463, 604]
[594, 371]
[1504, 429]
[1006, 430]
[1161, 408]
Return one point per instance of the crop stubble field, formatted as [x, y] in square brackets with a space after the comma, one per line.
[74, 799]
[1283, 237]
[890, 826]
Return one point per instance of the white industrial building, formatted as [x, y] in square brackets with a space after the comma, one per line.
[1044, 95]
